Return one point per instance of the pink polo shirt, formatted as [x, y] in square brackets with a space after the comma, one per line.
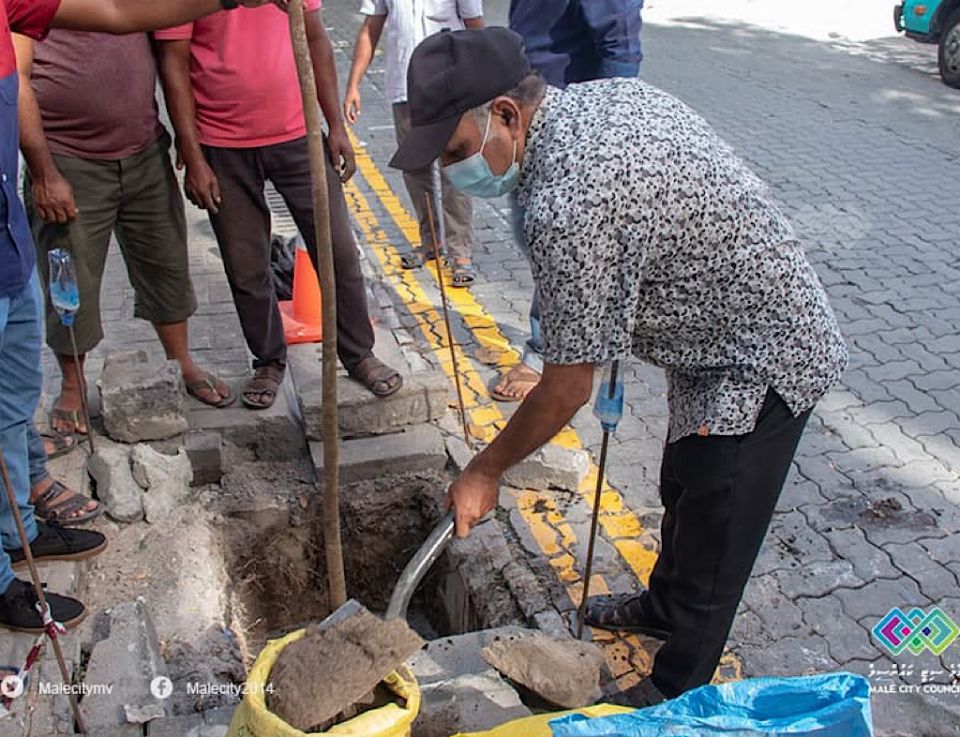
[244, 76]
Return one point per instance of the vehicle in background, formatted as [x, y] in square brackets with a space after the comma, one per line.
[934, 21]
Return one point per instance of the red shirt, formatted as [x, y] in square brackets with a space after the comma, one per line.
[244, 76]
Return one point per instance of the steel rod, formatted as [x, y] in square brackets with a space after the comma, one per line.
[38, 589]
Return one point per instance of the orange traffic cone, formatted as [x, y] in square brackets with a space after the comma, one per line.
[302, 315]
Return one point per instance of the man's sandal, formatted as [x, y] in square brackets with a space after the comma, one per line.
[623, 613]
[261, 391]
[377, 376]
[61, 504]
[463, 275]
[72, 416]
[62, 443]
[212, 384]
[417, 257]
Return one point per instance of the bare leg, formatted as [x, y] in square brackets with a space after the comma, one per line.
[68, 409]
[174, 338]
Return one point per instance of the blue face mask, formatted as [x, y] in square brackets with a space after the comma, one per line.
[472, 176]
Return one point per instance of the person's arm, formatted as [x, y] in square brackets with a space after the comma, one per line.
[128, 16]
[549, 406]
[471, 13]
[367, 40]
[325, 71]
[200, 183]
[615, 26]
[52, 194]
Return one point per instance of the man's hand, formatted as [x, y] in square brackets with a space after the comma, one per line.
[352, 106]
[201, 184]
[53, 198]
[342, 158]
[472, 496]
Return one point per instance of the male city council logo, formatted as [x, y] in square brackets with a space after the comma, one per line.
[916, 631]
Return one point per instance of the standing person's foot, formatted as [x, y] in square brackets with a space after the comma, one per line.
[18, 609]
[417, 257]
[59, 543]
[625, 613]
[207, 388]
[463, 273]
[379, 378]
[66, 417]
[516, 385]
[260, 392]
[57, 444]
[53, 501]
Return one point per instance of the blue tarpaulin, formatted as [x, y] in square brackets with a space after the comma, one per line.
[834, 705]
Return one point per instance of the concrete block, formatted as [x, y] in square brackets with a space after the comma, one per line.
[414, 450]
[126, 661]
[423, 398]
[279, 429]
[565, 672]
[551, 467]
[121, 495]
[140, 400]
[468, 703]
[449, 657]
[165, 479]
[235, 424]
[205, 451]
[459, 452]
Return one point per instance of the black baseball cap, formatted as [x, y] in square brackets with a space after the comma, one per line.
[450, 73]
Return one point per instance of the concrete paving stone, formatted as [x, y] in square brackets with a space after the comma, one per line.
[868, 390]
[854, 460]
[878, 597]
[781, 617]
[869, 561]
[417, 449]
[529, 594]
[937, 583]
[205, 450]
[907, 392]
[932, 501]
[549, 467]
[911, 557]
[794, 544]
[916, 715]
[846, 640]
[943, 550]
[892, 436]
[748, 629]
[235, 424]
[790, 656]
[817, 579]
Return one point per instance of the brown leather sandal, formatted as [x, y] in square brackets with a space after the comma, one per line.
[261, 391]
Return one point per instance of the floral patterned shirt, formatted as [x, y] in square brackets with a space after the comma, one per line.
[649, 236]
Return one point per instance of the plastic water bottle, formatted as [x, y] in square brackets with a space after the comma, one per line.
[64, 292]
[608, 407]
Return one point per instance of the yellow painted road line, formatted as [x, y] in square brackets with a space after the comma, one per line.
[619, 524]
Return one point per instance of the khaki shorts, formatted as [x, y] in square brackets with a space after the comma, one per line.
[138, 199]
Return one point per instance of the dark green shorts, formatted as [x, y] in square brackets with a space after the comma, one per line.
[137, 199]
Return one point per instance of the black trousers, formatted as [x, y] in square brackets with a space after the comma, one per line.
[242, 228]
[719, 494]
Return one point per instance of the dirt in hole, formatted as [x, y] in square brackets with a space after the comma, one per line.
[276, 562]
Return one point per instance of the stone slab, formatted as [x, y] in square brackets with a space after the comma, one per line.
[551, 467]
[424, 396]
[141, 400]
[417, 449]
[127, 660]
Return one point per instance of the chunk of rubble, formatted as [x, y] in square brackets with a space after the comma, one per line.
[564, 672]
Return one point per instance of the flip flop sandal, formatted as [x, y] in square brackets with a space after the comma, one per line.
[463, 276]
[49, 509]
[63, 443]
[216, 386]
[501, 397]
[265, 384]
[74, 416]
[377, 377]
[417, 258]
[622, 613]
